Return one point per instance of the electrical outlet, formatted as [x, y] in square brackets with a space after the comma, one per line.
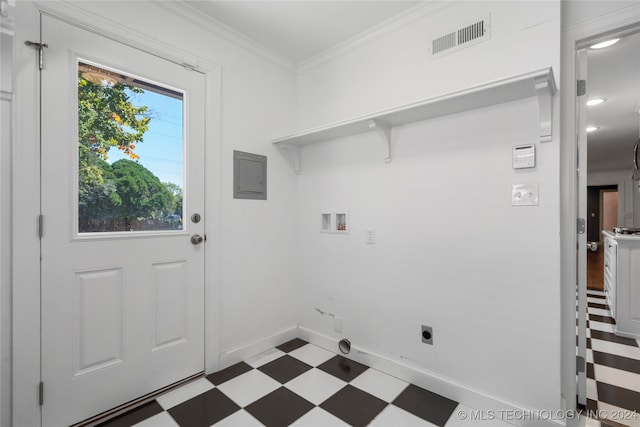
[371, 236]
[427, 334]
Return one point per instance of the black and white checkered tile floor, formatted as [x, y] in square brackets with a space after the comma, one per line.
[299, 384]
[613, 368]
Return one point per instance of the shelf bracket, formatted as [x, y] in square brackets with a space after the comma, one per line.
[545, 88]
[293, 154]
[384, 130]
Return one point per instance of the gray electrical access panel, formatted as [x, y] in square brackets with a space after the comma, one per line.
[249, 176]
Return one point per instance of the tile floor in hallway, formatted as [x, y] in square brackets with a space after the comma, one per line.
[613, 367]
[299, 384]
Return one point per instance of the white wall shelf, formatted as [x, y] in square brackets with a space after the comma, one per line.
[540, 83]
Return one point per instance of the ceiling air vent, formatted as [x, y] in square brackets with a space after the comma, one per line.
[461, 37]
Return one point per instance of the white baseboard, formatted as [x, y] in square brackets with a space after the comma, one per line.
[232, 357]
[431, 381]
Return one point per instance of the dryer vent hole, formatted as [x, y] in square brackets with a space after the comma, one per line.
[345, 346]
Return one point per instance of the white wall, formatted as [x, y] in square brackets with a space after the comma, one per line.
[451, 251]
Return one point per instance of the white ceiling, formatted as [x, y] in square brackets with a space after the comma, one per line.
[301, 29]
[614, 73]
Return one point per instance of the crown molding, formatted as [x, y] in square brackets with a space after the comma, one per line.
[189, 13]
[387, 27]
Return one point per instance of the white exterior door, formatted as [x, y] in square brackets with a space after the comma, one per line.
[122, 175]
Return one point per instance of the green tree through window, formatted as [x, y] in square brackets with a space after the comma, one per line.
[124, 195]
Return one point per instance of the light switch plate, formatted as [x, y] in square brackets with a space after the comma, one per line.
[370, 236]
[524, 194]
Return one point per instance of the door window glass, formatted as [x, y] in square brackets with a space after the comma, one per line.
[130, 153]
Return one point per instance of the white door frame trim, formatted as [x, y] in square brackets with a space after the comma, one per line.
[26, 349]
[571, 36]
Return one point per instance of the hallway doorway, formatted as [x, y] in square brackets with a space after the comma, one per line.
[602, 211]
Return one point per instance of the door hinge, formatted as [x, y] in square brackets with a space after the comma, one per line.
[581, 364]
[40, 226]
[582, 87]
[40, 47]
[41, 393]
[205, 237]
[582, 226]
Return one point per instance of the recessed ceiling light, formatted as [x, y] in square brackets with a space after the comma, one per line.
[595, 101]
[604, 44]
[592, 128]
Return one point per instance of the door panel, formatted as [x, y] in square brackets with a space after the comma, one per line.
[122, 286]
[169, 286]
[97, 319]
